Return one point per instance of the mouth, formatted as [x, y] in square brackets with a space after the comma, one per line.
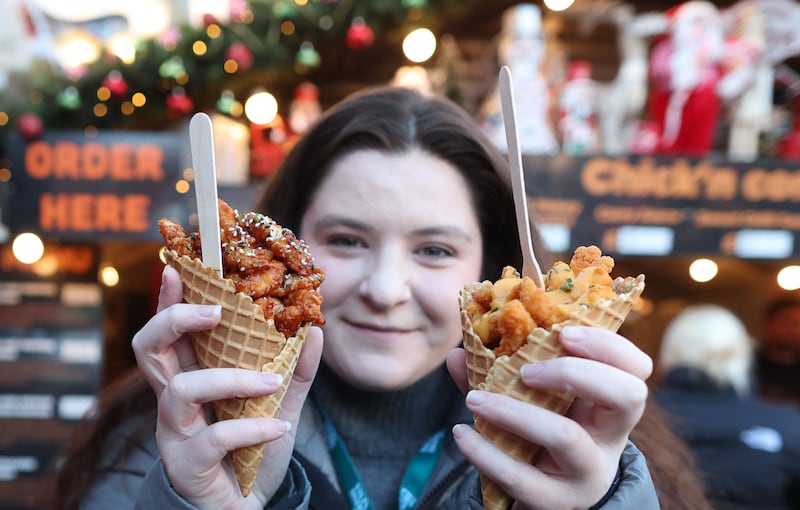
[380, 328]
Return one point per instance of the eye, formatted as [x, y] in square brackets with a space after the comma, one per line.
[435, 251]
[344, 241]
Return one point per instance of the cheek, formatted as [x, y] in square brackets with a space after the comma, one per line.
[335, 287]
[439, 297]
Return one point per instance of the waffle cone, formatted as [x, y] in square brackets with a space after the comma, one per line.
[242, 339]
[501, 374]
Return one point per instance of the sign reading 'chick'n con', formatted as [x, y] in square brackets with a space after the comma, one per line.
[112, 185]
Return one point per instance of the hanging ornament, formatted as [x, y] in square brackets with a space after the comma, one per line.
[170, 38]
[239, 10]
[240, 53]
[225, 102]
[116, 84]
[69, 98]
[179, 104]
[359, 35]
[307, 56]
[30, 126]
[171, 68]
[283, 8]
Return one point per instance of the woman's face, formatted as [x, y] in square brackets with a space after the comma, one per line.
[398, 238]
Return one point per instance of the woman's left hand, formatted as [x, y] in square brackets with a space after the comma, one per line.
[607, 374]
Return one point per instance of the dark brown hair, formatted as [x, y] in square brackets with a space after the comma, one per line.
[127, 397]
[672, 464]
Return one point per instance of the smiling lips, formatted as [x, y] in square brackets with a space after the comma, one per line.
[380, 329]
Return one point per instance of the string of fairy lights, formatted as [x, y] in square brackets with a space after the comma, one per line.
[122, 83]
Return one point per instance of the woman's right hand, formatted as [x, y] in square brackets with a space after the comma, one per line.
[192, 445]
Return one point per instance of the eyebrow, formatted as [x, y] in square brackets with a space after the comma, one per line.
[346, 221]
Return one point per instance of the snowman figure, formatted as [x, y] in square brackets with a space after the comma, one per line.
[522, 48]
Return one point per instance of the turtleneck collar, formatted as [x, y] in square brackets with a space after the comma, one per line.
[386, 423]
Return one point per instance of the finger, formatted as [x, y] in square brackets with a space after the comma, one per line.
[566, 441]
[171, 291]
[210, 384]
[180, 404]
[158, 348]
[509, 474]
[457, 366]
[618, 402]
[211, 444]
[607, 347]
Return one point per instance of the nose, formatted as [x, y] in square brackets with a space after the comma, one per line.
[388, 280]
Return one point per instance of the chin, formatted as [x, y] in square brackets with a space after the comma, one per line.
[381, 380]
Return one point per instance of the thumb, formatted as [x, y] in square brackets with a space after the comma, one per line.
[304, 374]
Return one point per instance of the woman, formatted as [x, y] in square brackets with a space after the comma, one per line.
[402, 201]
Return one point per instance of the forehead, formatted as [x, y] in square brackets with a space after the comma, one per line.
[413, 182]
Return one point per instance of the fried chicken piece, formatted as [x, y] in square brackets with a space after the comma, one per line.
[303, 305]
[587, 256]
[559, 276]
[176, 239]
[282, 241]
[482, 299]
[543, 312]
[514, 324]
[266, 281]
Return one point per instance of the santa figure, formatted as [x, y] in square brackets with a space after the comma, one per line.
[305, 108]
[686, 68]
[577, 110]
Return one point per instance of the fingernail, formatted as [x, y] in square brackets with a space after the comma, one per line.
[531, 370]
[573, 334]
[458, 430]
[164, 276]
[475, 397]
[287, 426]
[271, 379]
[209, 311]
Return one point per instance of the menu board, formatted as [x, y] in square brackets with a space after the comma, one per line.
[656, 206]
[114, 185]
[51, 349]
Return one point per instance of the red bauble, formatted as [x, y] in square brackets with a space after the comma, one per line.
[116, 84]
[359, 35]
[179, 105]
[210, 19]
[30, 126]
[240, 53]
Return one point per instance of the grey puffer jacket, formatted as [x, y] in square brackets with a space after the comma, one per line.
[454, 483]
[141, 483]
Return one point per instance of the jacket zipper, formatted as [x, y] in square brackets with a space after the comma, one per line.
[440, 486]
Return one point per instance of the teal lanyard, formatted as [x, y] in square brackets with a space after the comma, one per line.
[414, 479]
